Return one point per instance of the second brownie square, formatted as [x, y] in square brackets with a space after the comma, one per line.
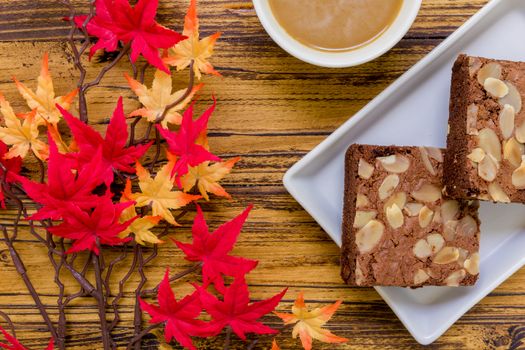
[398, 230]
[486, 131]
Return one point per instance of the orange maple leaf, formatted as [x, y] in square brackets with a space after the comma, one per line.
[22, 136]
[43, 99]
[193, 49]
[158, 97]
[206, 177]
[140, 227]
[275, 346]
[308, 324]
[157, 192]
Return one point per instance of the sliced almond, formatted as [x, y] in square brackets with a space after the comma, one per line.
[446, 255]
[394, 216]
[472, 119]
[455, 278]
[513, 98]
[425, 216]
[488, 168]
[427, 193]
[449, 210]
[426, 160]
[467, 226]
[422, 249]
[359, 276]
[497, 194]
[420, 276]
[512, 151]
[520, 133]
[369, 236]
[395, 163]
[476, 155]
[496, 87]
[436, 242]
[398, 198]
[363, 217]
[463, 255]
[518, 177]
[362, 201]
[364, 169]
[489, 142]
[437, 215]
[449, 229]
[435, 153]
[388, 186]
[413, 208]
[489, 70]
[474, 64]
[506, 120]
[472, 264]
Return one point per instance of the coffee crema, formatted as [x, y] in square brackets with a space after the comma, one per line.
[335, 25]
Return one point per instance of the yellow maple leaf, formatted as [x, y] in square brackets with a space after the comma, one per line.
[158, 193]
[206, 177]
[308, 324]
[193, 49]
[158, 97]
[140, 227]
[22, 136]
[43, 99]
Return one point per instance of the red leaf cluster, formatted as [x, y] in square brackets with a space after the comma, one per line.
[232, 306]
[117, 20]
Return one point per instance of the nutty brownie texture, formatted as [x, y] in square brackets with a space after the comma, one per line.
[486, 131]
[398, 230]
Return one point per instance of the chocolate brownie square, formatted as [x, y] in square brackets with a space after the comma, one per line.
[398, 229]
[485, 144]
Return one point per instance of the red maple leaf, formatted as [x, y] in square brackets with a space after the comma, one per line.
[85, 228]
[115, 154]
[236, 311]
[63, 186]
[14, 344]
[179, 316]
[212, 249]
[116, 20]
[12, 166]
[183, 143]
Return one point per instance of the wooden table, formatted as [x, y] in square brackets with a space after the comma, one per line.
[272, 110]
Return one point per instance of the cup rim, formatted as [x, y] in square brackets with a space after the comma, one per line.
[382, 44]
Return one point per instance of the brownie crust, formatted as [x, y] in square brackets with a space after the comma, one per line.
[476, 131]
[394, 260]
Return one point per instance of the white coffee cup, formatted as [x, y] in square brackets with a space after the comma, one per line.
[396, 31]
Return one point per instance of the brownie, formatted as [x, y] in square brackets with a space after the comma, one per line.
[398, 229]
[486, 135]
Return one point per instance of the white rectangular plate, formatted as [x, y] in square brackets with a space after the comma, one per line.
[414, 111]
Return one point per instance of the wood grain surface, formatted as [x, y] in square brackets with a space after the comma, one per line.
[272, 110]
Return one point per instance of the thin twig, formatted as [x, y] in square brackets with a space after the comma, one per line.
[173, 278]
[138, 337]
[182, 98]
[227, 338]
[106, 337]
[9, 323]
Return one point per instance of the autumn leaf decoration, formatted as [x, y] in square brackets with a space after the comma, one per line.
[308, 324]
[193, 50]
[232, 309]
[135, 27]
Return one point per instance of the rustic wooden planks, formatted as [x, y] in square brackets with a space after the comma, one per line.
[272, 110]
